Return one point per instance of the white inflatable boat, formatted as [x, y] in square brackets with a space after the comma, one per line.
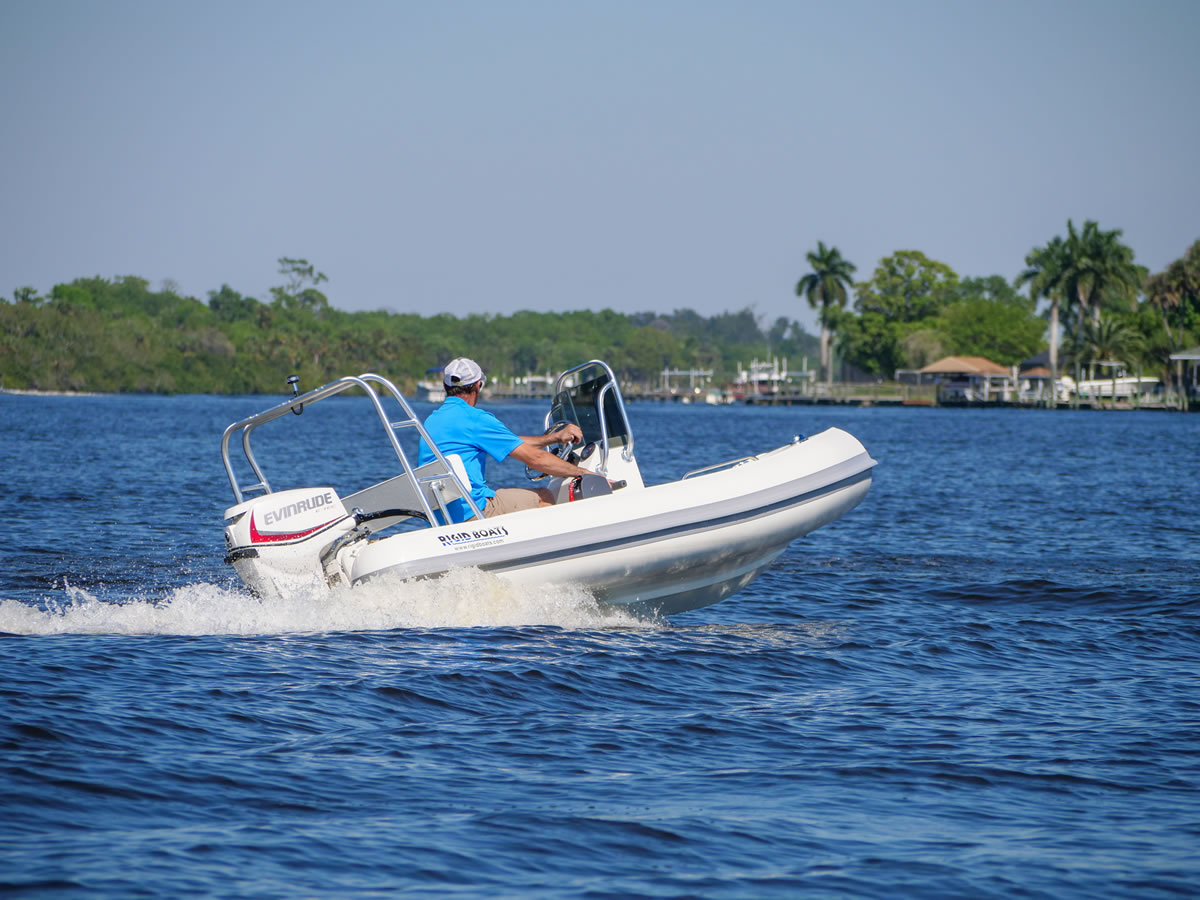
[664, 548]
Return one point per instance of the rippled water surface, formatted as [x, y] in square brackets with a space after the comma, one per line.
[982, 682]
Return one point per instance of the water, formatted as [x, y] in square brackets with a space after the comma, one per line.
[982, 682]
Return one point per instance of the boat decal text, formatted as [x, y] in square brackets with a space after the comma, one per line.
[315, 502]
[474, 538]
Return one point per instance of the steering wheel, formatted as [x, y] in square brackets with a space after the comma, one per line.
[562, 449]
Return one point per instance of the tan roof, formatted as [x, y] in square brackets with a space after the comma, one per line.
[965, 365]
[1036, 372]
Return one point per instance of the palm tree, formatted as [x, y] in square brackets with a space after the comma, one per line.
[1044, 276]
[1080, 271]
[1096, 264]
[1164, 292]
[1077, 354]
[826, 288]
[1110, 340]
[1167, 290]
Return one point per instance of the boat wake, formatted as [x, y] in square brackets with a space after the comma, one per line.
[462, 598]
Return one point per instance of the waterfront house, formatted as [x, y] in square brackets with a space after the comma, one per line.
[1033, 379]
[969, 379]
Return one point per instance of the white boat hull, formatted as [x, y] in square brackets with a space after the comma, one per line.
[689, 571]
[664, 548]
[667, 548]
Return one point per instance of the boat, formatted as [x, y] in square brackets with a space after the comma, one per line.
[430, 388]
[764, 379]
[430, 392]
[656, 549]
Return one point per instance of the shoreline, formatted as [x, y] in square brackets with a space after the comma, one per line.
[31, 392]
[862, 402]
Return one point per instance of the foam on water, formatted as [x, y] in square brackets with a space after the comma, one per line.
[462, 598]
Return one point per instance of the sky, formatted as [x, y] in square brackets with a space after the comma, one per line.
[487, 157]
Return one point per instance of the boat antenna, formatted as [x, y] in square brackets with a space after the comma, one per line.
[294, 381]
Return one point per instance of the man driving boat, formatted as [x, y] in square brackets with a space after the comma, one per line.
[459, 427]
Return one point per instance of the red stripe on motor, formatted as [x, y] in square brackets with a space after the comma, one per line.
[257, 538]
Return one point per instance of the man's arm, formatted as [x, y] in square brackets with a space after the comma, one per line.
[569, 433]
[541, 461]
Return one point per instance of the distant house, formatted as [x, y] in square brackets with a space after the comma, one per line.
[1033, 378]
[1188, 363]
[970, 379]
[1038, 364]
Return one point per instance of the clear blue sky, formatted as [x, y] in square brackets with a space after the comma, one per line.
[494, 156]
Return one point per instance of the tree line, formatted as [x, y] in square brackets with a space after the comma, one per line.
[119, 335]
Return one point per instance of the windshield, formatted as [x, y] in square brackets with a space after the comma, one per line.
[579, 405]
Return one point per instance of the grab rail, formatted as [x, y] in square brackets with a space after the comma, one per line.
[720, 465]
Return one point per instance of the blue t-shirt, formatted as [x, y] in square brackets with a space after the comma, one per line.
[474, 434]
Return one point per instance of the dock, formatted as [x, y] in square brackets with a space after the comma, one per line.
[840, 395]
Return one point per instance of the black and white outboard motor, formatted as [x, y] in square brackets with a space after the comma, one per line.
[280, 543]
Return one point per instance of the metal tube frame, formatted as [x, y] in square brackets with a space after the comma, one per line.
[246, 427]
[627, 450]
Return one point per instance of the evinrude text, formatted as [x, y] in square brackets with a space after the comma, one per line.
[308, 504]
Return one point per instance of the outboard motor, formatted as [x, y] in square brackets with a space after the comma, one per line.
[278, 542]
[580, 487]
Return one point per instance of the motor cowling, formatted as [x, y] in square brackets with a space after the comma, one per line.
[275, 542]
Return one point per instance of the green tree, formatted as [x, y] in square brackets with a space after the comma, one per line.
[826, 288]
[27, 295]
[300, 291]
[1095, 265]
[995, 289]
[925, 345]
[908, 286]
[230, 306]
[1175, 294]
[1086, 269]
[906, 294]
[1006, 333]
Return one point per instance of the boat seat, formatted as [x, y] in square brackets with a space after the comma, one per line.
[460, 470]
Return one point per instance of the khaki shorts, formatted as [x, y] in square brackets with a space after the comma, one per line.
[508, 500]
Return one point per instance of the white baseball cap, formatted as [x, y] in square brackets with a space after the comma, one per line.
[462, 371]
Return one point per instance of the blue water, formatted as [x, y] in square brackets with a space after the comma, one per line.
[983, 682]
